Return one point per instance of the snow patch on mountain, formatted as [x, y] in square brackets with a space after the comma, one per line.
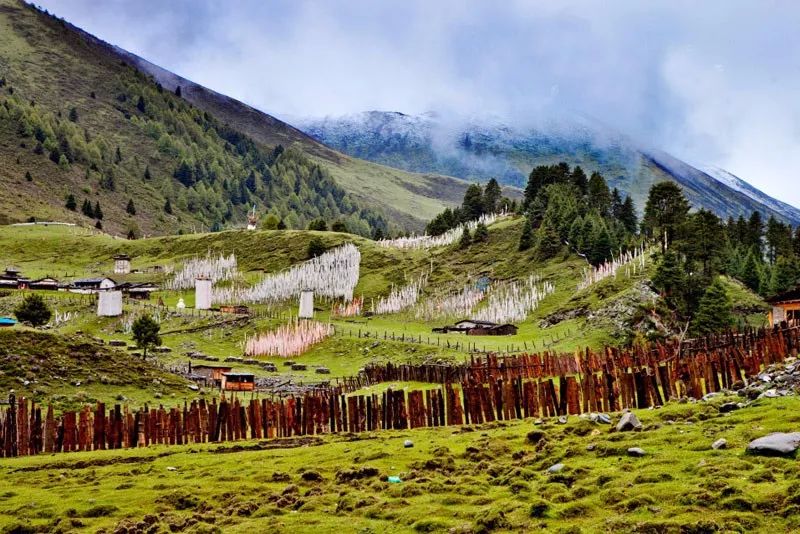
[734, 182]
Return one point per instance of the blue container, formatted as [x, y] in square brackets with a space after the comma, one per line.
[7, 321]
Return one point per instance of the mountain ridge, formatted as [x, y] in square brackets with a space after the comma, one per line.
[478, 149]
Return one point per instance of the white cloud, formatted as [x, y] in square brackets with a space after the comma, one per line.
[712, 82]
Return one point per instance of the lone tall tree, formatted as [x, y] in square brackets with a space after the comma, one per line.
[33, 310]
[665, 212]
[145, 333]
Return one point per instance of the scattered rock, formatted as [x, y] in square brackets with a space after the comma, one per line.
[721, 443]
[628, 422]
[776, 444]
[728, 407]
[555, 468]
[170, 468]
[538, 422]
[322, 371]
[636, 451]
[592, 446]
[408, 444]
[600, 418]
[562, 420]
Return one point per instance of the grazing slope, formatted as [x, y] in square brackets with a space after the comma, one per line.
[70, 371]
[486, 478]
[481, 149]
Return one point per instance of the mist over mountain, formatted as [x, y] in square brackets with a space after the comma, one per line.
[479, 148]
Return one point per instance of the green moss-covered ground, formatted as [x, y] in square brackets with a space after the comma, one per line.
[487, 478]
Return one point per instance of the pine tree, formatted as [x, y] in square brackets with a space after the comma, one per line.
[491, 196]
[168, 207]
[98, 225]
[752, 272]
[599, 195]
[282, 226]
[665, 213]
[755, 233]
[131, 234]
[601, 245]
[98, 213]
[33, 310]
[130, 209]
[579, 180]
[627, 215]
[28, 176]
[145, 333]
[337, 226]
[472, 206]
[178, 91]
[466, 239]
[319, 225]
[715, 312]
[117, 156]
[548, 242]
[71, 204]
[670, 279]
[481, 234]
[526, 239]
[86, 209]
[73, 115]
[147, 174]
[140, 105]
[784, 275]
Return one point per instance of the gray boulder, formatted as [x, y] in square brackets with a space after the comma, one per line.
[628, 422]
[555, 468]
[636, 451]
[721, 443]
[776, 444]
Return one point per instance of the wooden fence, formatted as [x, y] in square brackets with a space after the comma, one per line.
[484, 389]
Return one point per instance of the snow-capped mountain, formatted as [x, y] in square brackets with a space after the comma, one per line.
[736, 183]
[480, 148]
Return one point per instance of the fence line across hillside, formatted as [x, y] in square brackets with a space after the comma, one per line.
[485, 389]
[459, 345]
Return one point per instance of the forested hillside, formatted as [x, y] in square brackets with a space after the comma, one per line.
[87, 138]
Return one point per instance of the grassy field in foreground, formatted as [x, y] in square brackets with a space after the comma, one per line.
[472, 479]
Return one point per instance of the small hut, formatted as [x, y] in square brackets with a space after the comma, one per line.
[238, 381]
[785, 307]
[92, 285]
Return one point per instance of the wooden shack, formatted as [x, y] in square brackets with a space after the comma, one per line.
[138, 290]
[238, 381]
[92, 285]
[493, 330]
[474, 327]
[785, 307]
[47, 283]
[211, 372]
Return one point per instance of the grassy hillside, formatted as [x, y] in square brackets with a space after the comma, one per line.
[409, 198]
[70, 371]
[487, 478]
[566, 320]
[76, 119]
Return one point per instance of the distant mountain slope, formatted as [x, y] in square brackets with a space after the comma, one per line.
[131, 145]
[737, 184]
[479, 149]
[409, 198]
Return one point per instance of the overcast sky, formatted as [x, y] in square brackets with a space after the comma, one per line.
[712, 82]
